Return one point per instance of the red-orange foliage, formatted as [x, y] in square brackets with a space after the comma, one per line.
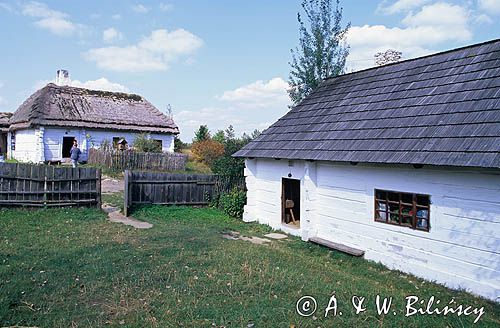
[207, 151]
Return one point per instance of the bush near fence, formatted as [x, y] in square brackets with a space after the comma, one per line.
[117, 160]
[230, 194]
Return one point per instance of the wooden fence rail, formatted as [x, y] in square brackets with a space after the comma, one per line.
[175, 189]
[42, 185]
[131, 160]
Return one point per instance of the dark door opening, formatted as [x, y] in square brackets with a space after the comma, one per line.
[66, 147]
[290, 202]
[3, 143]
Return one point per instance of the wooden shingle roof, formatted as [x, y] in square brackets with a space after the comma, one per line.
[67, 106]
[442, 109]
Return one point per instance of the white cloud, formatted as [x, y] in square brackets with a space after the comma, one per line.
[140, 8]
[219, 118]
[420, 34]
[99, 84]
[155, 52]
[111, 35]
[454, 20]
[253, 106]
[491, 6]
[165, 6]
[54, 21]
[6, 7]
[258, 94]
[127, 59]
[483, 19]
[400, 6]
[116, 16]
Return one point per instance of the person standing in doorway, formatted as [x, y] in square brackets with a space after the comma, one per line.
[75, 154]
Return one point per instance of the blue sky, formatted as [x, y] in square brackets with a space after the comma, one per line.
[216, 62]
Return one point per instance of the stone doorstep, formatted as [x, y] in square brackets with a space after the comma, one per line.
[274, 235]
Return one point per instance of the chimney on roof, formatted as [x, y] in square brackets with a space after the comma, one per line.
[62, 77]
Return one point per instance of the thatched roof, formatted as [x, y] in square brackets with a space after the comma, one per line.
[442, 109]
[66, 106]
[4, 121]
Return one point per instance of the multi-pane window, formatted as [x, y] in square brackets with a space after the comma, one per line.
[403, 209]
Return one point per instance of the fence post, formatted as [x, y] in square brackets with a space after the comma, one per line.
[45, 188]
[126, 192]
[98, 188]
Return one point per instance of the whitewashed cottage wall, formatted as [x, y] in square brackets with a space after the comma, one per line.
[45, 144]
[461, 250]
[53, 139]
[28, 145]
[98, 136]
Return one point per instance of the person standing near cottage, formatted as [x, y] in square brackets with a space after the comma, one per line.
[75, 154]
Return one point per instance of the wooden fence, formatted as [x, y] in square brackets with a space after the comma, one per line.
[131, 160]
[42, 185]
[175, 189]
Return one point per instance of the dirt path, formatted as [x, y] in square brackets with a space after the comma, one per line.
[111, 185]
[114, 215]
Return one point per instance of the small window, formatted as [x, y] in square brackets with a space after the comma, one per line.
[403, 209]
[159, 143]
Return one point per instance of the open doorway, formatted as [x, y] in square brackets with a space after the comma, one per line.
[290, 202]
[3, 143]
[66, 146]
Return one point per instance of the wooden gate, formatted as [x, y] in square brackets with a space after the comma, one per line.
[174, 189]
[43, 185]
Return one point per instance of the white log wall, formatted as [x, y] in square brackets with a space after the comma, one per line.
[27, 146]
[45, 144]
[461, 250]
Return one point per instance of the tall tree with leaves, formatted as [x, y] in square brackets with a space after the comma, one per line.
[201, 134]
[322, 49]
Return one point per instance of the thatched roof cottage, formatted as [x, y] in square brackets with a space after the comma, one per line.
[43, 128]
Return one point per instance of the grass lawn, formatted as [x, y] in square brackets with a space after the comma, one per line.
[72, 268]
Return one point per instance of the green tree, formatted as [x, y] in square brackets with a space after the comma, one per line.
[255, 134]
[219, 136]
[230, 134]
[178, 144]
[227, 164]
[201, 134]
[322, 49]
[144, 143]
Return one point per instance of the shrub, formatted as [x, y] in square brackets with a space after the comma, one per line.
[144, 143]
[227, 164]
[207, 151]
[179, 145]
[233, 202]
